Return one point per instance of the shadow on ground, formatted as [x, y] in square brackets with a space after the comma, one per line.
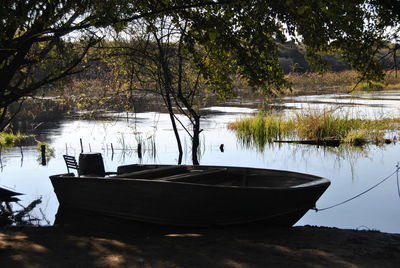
[92, 241]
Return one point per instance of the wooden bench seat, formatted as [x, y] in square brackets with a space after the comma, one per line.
[155, 173]
[197, 175]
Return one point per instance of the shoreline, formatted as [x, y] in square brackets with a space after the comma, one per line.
[131, 245]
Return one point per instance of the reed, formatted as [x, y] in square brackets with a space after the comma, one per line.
[357, 137]
[50, 152]
[316, 125]
[325, 124]
[262, 128]
[369, 86]
[10, 139]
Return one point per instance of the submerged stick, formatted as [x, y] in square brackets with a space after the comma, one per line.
[139, 150]
[333, 142]
[22, 156]
[43, 150]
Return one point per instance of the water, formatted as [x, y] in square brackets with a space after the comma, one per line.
[351, 171]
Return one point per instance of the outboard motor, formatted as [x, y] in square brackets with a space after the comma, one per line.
[91, 164]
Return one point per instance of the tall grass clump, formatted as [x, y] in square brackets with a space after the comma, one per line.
[10, 139]
[324, 124]
[357, 137]
[369, 86]
[262, 128]
[314, 125]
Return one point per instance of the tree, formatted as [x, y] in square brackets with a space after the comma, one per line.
[33, 50]
[153, 59]
[220, 38]
[44, 41]
[241, 37]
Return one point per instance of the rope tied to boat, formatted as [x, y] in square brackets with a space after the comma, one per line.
[367, 190]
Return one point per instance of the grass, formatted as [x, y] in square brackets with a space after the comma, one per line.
[262, 128]
[320, 125]
[368, 86]
[10, 139]
[313, 125]
[357, 137]
[49, 150]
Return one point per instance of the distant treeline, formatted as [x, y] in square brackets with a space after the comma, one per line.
[293, 60]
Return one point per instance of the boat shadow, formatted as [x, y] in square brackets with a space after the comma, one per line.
[91, 222]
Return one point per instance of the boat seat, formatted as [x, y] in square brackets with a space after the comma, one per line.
[71, 163]
[196, 176]
[154, 173]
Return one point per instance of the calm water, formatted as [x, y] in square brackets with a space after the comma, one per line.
[351, 171]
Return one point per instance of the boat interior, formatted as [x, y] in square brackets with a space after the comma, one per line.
[224, 176]
[208, 175]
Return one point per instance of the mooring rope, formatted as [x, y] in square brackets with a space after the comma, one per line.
[397, 178]
[366, 191]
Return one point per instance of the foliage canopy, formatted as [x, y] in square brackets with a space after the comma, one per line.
[46, 40]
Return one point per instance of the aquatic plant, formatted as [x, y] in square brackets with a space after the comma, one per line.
[262, 128]
[314, 125]
[10, 139]
[357, 137]
[368, 86]
[47, 154]
[49, 150]
[321, 124]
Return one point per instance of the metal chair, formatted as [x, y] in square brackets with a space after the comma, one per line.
[71, 163]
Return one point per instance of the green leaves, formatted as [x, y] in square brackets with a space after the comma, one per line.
[222, 38]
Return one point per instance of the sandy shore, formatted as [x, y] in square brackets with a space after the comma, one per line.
[247, 246]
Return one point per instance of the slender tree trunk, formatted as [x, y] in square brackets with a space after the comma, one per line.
[196, 141]
[167, 85]
[3, 119]
[174, 127]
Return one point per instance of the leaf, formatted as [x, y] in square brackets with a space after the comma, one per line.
[212, 35]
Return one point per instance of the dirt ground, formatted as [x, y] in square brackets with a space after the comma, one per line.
[132, 245]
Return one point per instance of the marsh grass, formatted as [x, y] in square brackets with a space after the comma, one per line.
[322, 124]
[10, 139]
[369, 86]
[262, 128]
[318, 125]
[50, 152]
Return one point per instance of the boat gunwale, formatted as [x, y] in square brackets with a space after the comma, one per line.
[313, 180]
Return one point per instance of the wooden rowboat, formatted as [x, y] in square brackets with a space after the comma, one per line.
[8, 195]
[194, 195]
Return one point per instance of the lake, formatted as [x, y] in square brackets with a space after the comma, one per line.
[351, 170]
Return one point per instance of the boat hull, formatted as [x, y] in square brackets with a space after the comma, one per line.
[188, 204]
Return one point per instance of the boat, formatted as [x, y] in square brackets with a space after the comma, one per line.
[195, 196]
[7, 195]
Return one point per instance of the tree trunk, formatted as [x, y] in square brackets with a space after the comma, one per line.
[196, 141]
[3, 118]
[174, 127]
